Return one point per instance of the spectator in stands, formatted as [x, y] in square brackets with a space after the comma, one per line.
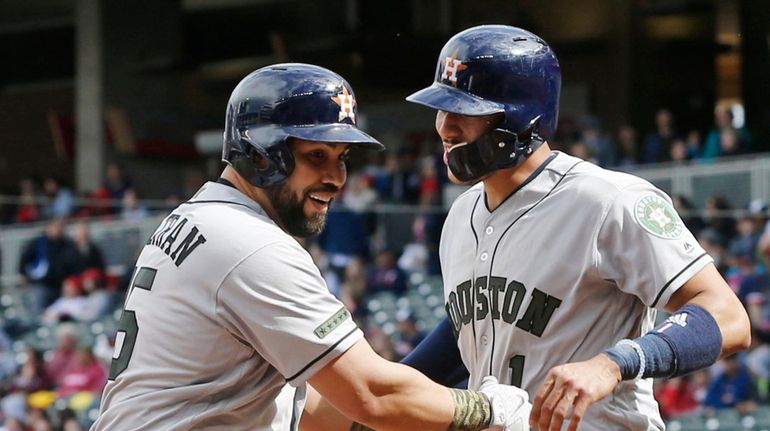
[409, 335]
[729, 143]
[357, 195]
[567, 133]
[33, 375]
[39, 420]
[69, 421]
[63, 354]
[724, 138]
[99, 204]
[733, 387]
[27, 210]
[131, 209]
[71, 305]
[59, 201]
[8, 364]
[627, 147]
[580, 150]
[678, 152]
[116, 181]
[84, 373]
[744, 244]
[763, 248]
[45, 262]
[13, 424]
[694, 145]
[657, 144]
[430, 184]
[600, 145]
[344, 238]
[382, 343]
[89, 254]
[321, 260]
[399, 182]
[415, 256]
[353, 287]
[718, 216]
[99, 301]
[385, 275]
[677, 397]
[712, 241]
[685, 208]
[758, 307]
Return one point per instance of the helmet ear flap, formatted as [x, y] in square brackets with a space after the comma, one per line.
[263, 167]
[260, 161]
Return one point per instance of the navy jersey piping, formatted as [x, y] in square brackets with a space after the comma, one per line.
[527, 181]
[319, 357]
[473, 279]
[657, 298]
[494, 253]
[217, 202]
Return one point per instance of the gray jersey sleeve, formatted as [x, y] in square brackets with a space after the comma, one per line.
[644, 246]
[277, 301]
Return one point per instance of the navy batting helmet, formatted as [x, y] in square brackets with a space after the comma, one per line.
[283, 101]
[494, 69]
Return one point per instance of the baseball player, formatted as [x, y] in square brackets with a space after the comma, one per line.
[553, 268]
[227, 318]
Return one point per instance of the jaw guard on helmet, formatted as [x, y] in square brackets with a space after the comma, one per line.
[493, 150]
[493, 69]
[283, 101]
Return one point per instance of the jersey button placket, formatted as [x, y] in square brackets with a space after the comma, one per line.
[484, 256]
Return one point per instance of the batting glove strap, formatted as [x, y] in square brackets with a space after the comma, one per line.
[510, 406]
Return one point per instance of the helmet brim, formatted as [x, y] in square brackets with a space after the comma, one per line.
[449, 99]
[336, 133]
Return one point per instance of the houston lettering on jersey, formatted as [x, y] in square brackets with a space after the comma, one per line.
[169, 231]
[499, 299]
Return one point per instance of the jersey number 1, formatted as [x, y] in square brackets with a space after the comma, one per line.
[516, 364]
[127, 328]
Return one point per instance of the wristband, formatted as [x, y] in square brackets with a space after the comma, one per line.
[639, 352]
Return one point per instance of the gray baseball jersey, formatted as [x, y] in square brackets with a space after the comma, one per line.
[226, 318]
[573, 261]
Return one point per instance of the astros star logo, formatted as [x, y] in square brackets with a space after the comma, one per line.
[451, 67]
[346, 102]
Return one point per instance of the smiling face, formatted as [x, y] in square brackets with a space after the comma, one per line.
[456, 130]
[302, 202]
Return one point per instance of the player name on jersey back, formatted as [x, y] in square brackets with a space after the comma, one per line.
[167, 238]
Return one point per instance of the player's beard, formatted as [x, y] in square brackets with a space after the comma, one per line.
[291, 211]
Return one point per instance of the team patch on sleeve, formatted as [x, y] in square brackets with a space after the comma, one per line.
[658, 217]
[332, 323]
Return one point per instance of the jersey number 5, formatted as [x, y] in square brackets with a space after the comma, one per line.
[127, 328]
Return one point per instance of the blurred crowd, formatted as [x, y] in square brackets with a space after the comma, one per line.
[384, 229]
[740, 247]
[665, 142]
[50, 199]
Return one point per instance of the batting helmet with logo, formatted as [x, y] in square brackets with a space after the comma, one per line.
[496, 69]
[283, 101]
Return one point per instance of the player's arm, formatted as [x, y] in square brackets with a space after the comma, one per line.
[708, 321]
[389, 396]
[438, 357]
[708, 290]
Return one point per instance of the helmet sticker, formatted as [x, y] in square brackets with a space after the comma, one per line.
[346, 102]
[451, 67]
[658, 217]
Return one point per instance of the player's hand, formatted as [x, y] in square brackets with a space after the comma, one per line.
[510, 405]
[573, 386]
